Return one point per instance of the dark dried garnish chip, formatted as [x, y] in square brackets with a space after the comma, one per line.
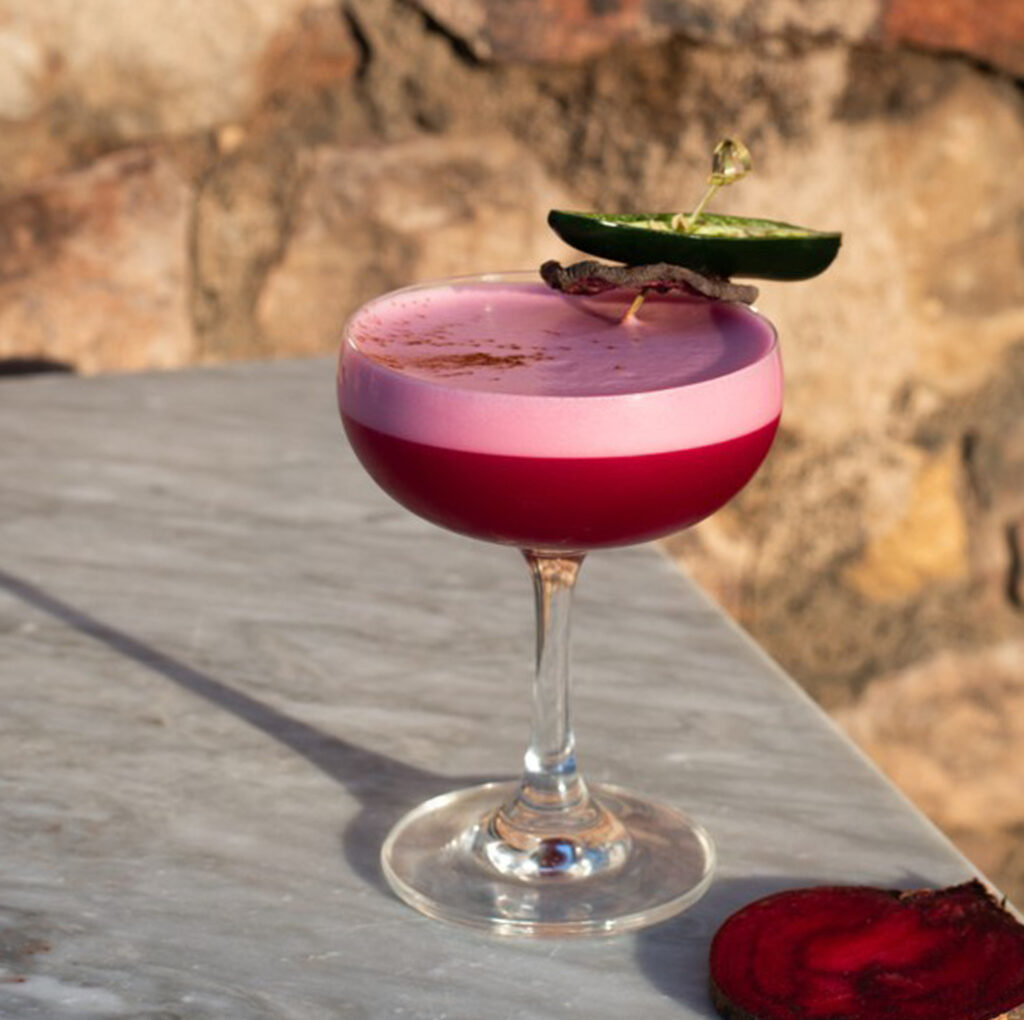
[596, 277]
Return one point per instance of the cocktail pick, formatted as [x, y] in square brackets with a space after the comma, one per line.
[730, 162]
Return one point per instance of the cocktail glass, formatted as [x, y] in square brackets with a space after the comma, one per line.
[502, 410]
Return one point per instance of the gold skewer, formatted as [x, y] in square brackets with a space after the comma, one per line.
[730, 162]
[634, 307]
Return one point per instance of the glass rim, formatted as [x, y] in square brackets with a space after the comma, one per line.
[533, 276]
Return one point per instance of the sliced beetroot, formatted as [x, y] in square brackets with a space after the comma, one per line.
[855, 953]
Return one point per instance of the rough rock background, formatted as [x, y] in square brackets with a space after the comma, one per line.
[184, 182]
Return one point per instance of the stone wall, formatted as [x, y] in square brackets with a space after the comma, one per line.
[184, 182]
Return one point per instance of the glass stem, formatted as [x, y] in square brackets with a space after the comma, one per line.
[550, 779]
[551, 827]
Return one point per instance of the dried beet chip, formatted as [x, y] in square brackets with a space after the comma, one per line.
[856, 953]
[596, 277]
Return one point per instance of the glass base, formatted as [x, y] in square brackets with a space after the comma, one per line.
[440, 858]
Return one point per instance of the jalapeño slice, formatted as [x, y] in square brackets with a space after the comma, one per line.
[723, 246]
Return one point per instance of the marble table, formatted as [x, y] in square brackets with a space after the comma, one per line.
[228, 664]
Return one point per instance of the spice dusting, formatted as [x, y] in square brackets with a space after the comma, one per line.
[452, 363]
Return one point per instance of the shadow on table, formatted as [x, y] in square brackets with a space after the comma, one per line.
[386, 788]
[674, 955]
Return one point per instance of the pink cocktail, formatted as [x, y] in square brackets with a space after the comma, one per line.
[513, 414]
[497, 408]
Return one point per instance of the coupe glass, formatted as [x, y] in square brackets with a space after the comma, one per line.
[504, 411]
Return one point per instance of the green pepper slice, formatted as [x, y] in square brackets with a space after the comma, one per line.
[724, 246]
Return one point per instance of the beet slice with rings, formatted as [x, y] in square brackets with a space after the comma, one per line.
[856, 953]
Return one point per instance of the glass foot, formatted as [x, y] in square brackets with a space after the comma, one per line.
[446, 859]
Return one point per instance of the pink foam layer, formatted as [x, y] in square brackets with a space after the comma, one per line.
[513, 368]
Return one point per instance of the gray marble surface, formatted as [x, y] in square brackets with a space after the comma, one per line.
[228, 664]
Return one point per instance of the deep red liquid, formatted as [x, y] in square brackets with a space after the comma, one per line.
[560, 503]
